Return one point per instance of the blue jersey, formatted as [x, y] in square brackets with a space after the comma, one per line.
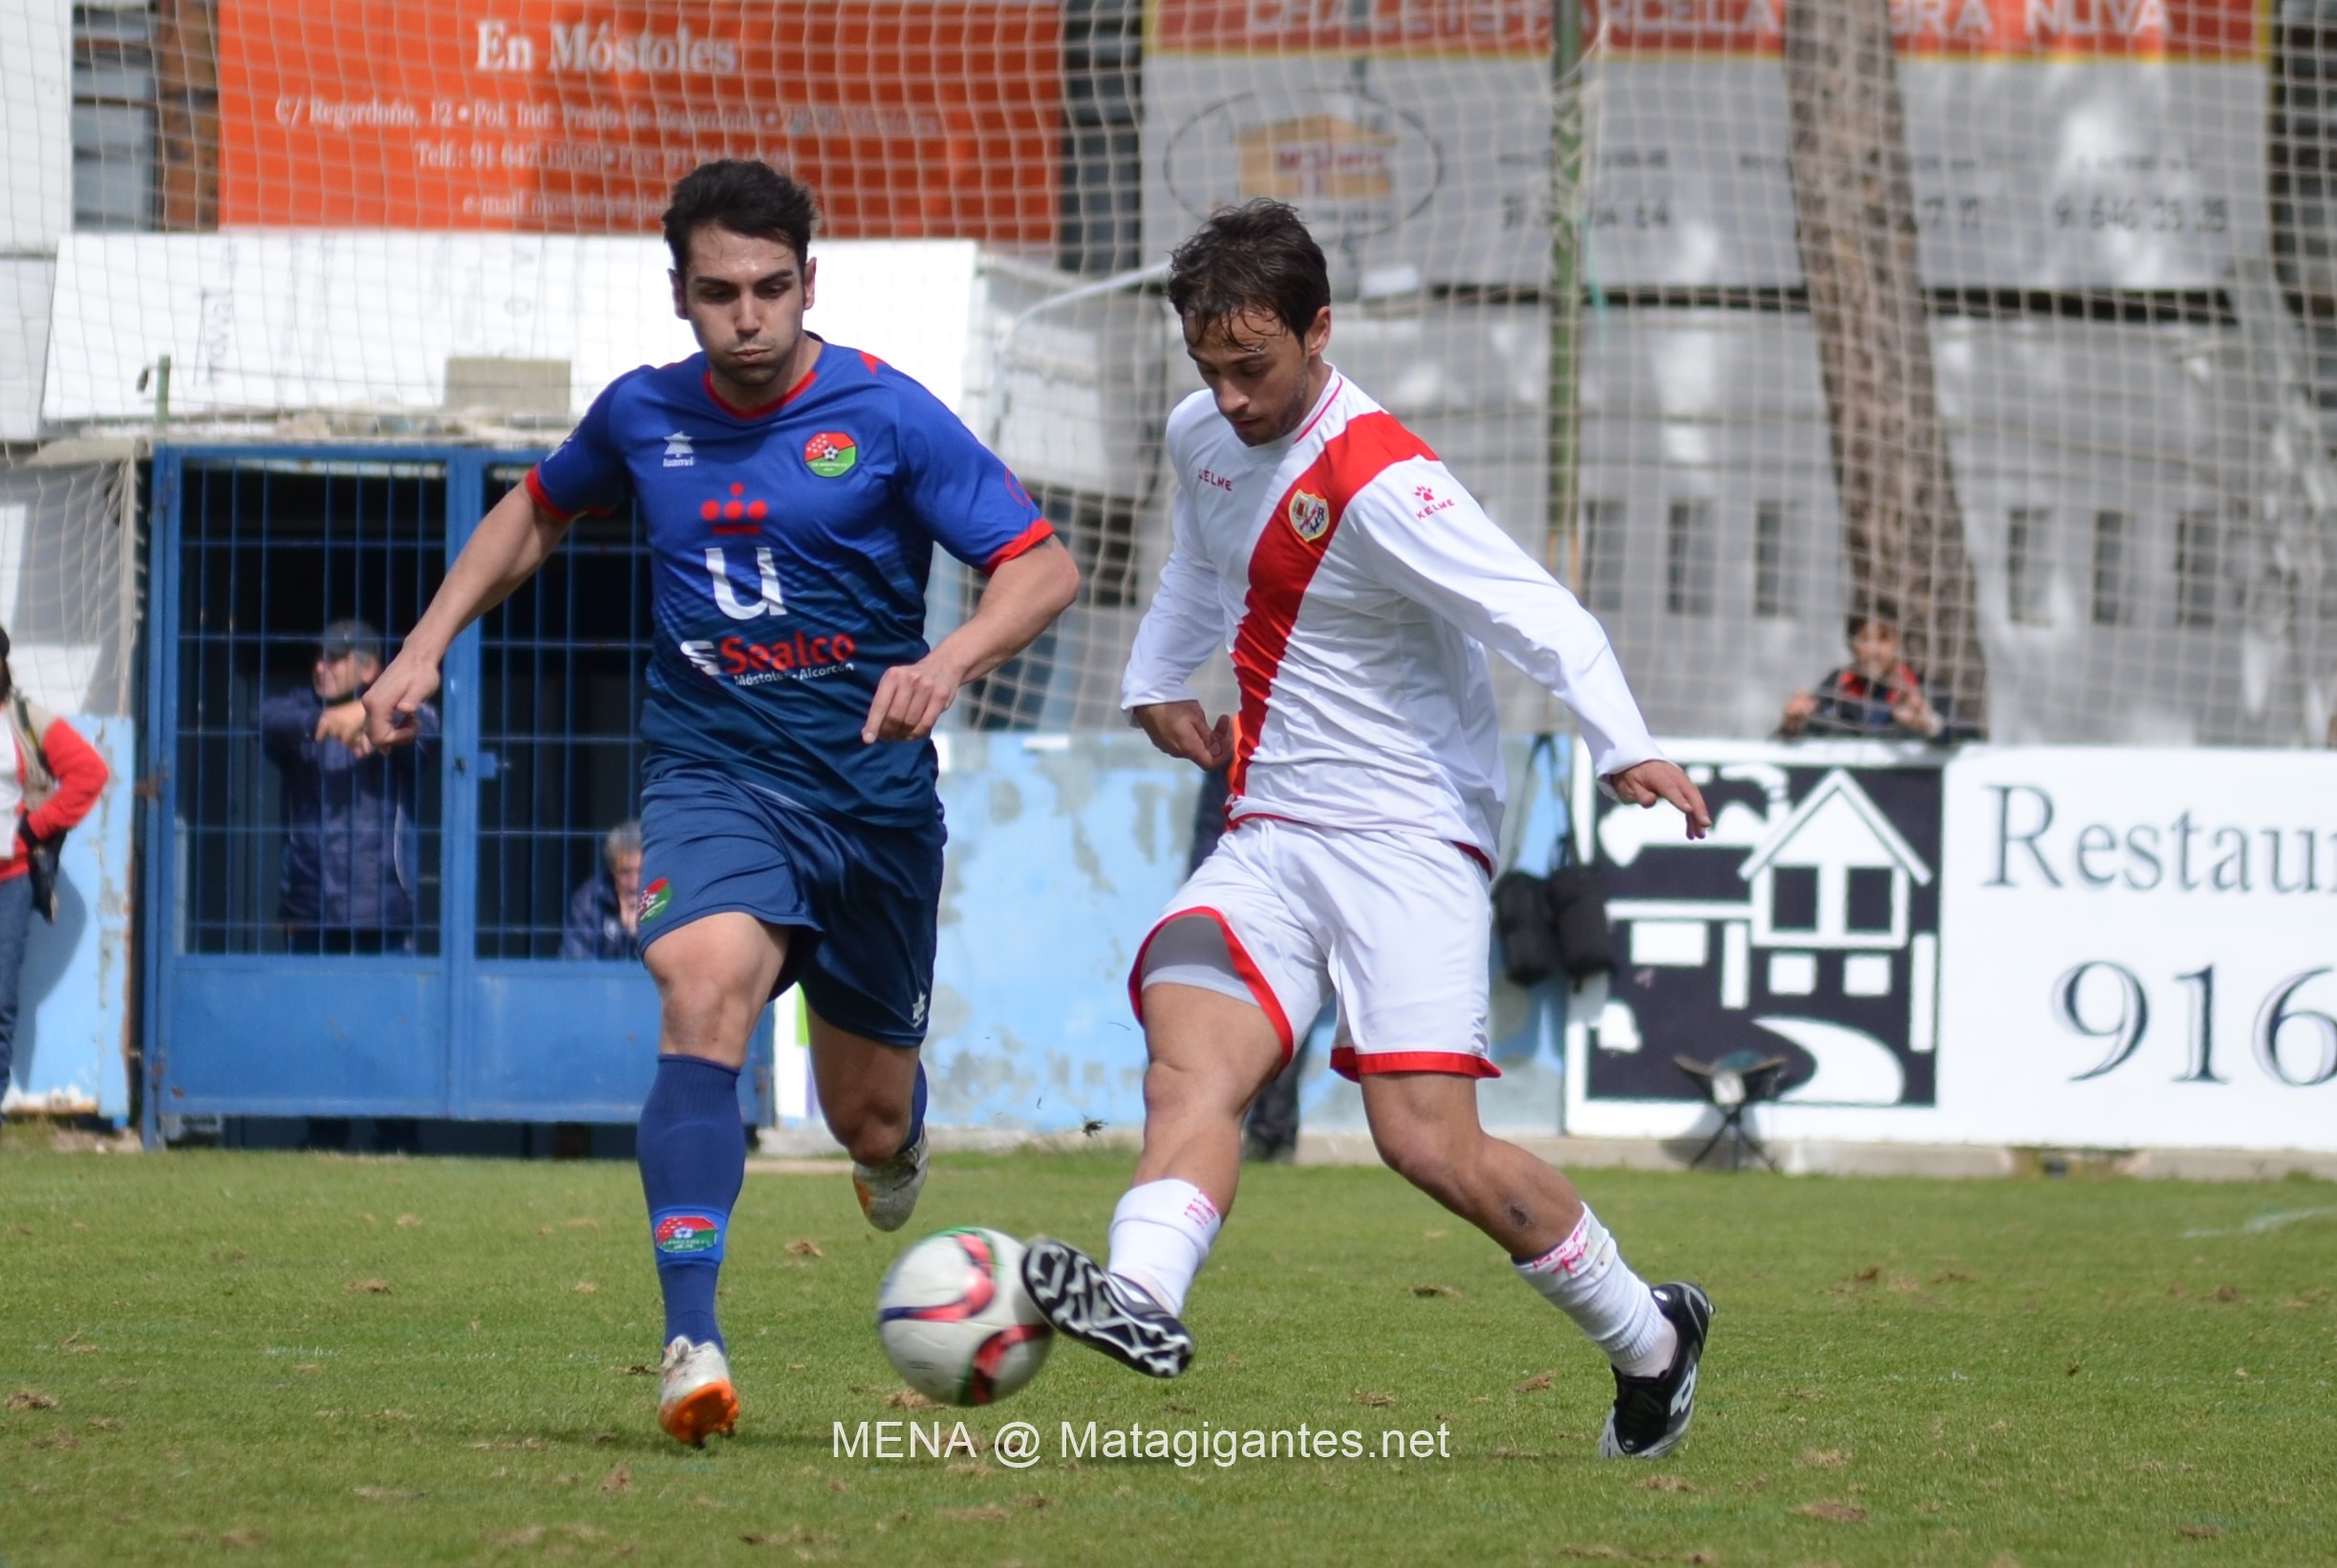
[790, 545]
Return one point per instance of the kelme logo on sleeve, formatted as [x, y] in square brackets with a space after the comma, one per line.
[832, 453]
[680, 1234]
[653, 901]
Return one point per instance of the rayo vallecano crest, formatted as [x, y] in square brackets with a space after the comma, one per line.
[1310, 516]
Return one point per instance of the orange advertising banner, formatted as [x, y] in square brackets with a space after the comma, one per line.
[905, 118]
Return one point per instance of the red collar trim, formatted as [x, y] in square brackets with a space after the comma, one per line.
[1330, 393]
[772, 407]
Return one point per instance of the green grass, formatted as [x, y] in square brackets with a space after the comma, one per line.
[317, 1358]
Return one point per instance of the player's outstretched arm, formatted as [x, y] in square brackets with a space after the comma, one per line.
[1182, 729]
[515, 538]
[1024, 596]
[1646, 782]
[1457, 561]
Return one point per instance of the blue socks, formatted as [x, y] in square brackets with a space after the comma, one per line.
[692, 1147]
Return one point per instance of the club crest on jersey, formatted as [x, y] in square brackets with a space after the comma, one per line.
[832, 453]
[653, 901]
[678, 452]
[1310, 516]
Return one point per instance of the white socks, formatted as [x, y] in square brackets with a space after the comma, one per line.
[1161, 1235]
[1585, 1278]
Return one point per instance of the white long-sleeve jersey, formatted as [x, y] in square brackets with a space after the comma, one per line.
[1357, 585]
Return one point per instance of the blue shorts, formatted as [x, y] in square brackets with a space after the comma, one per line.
[859, 902]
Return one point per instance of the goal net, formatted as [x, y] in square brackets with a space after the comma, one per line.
[2008, 318]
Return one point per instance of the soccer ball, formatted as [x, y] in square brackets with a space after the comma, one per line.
[956, 1323]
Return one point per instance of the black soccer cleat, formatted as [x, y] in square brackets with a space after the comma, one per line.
[1651, 1415]
[1111, 1315]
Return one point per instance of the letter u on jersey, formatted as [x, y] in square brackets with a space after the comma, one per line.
[726, 595]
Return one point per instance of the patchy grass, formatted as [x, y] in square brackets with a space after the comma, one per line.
[315, 1358]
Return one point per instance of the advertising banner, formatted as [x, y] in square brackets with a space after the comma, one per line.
[2073, 947]
[2141, 946]
[1414, 135]
[2051, 144]
[1804, 929]
[908, 118]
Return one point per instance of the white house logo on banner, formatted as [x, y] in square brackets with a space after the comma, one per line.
[1806, 926]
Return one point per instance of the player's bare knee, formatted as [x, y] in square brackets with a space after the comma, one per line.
[1176, 1092]
[702, 1018]
[1413, 1154]
[869, 1135]
[1432, 1157]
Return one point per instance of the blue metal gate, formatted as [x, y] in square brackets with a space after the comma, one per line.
[446, 995]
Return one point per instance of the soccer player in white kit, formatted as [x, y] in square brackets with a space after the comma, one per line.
[1355, 584]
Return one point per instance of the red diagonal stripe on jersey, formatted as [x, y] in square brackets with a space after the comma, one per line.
[1283, 565]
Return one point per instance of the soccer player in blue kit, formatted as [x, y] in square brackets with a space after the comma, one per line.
[793, 491]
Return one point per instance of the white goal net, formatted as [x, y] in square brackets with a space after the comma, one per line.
[2011, 317]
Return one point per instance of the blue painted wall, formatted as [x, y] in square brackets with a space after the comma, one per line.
[1062, 850]
[75, 1003]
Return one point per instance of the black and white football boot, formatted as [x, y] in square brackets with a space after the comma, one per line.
[1113, 1316]
[1651, 1415]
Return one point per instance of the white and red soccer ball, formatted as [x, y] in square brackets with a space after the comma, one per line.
[955, 1321]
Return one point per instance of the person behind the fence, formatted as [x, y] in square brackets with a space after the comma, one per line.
[352, 841]
[1876, 695]
[49, 781]
[605, 912]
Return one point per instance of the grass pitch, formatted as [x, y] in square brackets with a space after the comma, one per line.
[314, 1358]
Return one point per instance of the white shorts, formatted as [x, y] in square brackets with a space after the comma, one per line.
[1397, 926]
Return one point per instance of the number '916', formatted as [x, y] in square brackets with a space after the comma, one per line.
[2101, 999]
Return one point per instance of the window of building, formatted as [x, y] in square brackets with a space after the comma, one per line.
[1600, 572]
[113, 117]
[2028, 566]
[2111, 536]
[2198, 568]
[1691, 565]
[1772, 529]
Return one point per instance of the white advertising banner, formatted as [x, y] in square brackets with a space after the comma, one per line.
[2069, 947]
[1414, 135]
[2140, 947]
[2026, 174]
[2052, 144]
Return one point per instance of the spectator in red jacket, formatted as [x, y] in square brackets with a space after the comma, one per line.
[48, 779]
[1876, 695]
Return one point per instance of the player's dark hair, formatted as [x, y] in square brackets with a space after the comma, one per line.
[1882, 612]
[1258, 256]
[746, 198]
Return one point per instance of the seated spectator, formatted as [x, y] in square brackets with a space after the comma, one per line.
[1876, 695]
[351, 844]
[605, 910]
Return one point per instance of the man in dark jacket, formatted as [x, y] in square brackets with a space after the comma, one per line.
[351, 840]
[604, 919]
